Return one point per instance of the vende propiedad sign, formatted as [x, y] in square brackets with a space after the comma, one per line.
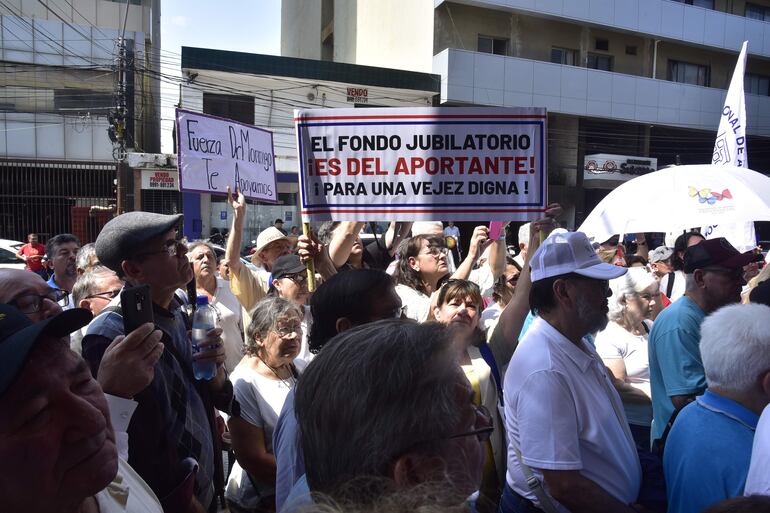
[215, 153]
[160, 179]
[430, 164]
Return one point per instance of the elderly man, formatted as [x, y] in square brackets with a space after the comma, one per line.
[562, 412]
[86, 258]
[395, 389]
[708, 450]
[61, 251]
[57, 446]
[348, 299]
[174, 417]
[714, 277]
[127, 366]
[93, 290]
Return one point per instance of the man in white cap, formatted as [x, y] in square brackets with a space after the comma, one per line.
[570, 447]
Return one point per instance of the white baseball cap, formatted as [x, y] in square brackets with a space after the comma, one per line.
[570, 252]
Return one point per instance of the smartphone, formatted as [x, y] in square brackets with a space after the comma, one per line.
[136, 304]
[495, 227]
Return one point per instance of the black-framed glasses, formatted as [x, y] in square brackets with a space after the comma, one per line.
[483, 417]
[298, 278]
[107, 294]
[31, 303]
[170, 247]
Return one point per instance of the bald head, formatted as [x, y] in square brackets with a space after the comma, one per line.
[22, 290]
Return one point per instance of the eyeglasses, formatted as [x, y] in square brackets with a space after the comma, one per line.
[170, 247]
[107, 294]
[435, 251]
[288, 329]
[513, 280]
[31, 303]
[483, 418]
[298, 278]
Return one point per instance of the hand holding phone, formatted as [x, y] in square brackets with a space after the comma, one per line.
[136, 304]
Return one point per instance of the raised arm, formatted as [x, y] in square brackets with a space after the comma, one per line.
[343, 239]
[233, 250]
[394, 237]
[497, 252]
[478, 239]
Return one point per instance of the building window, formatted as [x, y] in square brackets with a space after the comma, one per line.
[564, 56]
[757, 12]
[493, 45]
[630, 50]
[602, 44]
[235, 107]
[706, 4]
[757, 84]
[602, 62]
[689, 73]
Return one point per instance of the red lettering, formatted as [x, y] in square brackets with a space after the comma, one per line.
[519, 164]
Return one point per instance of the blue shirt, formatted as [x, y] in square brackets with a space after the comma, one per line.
[676, 367]
[707, 453]
[289, 463]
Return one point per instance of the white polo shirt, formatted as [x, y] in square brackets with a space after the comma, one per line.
[558, 413]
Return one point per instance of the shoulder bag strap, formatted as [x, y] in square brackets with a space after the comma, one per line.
[535, 486]
[670, 284]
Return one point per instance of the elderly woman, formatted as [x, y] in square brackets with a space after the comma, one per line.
[623, 345]
[221, 299]
[261, 382]
[459, 306]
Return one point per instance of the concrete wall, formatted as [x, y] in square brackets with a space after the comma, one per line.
[393, 34]
[345, 31]
[102, 13]
[301, 29]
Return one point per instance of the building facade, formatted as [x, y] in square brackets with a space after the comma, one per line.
[641, 80]
[58, 89]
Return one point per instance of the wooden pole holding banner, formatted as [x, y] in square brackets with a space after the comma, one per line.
[310, 265]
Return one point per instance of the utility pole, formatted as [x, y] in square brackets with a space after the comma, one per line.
[117, 129]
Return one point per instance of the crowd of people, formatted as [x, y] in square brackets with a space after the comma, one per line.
[419, 374]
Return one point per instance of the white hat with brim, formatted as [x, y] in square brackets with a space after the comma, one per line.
[267, 236]
[570, 252]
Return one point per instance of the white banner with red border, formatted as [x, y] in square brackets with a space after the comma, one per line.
[430, 164]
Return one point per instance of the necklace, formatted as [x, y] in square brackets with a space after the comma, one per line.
[288, 383]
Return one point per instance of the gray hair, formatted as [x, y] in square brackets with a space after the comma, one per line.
[86, 283]
[631, 284]
[374, 392]
[735, 346]
[264, 317]
[198, 243]
[83, 258]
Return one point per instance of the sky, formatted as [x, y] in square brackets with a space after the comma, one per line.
[252, 26]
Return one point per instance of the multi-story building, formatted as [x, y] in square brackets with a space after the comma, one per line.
[58, 62]
[643, 80]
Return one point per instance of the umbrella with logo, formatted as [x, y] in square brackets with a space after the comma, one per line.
[681, 197]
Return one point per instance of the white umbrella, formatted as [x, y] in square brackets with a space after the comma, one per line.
[681, 197]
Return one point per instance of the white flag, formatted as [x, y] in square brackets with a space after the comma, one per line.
[730, 148]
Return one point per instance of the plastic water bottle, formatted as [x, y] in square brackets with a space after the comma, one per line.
[203, 322]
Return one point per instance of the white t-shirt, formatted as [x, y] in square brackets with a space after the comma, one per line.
[261, 400]
[127, 493]
[758, 479]
[482, 276]
[489, 317]
[417, 304]
[679, 285]
[558, 413]
[614, 343]
[228, 312]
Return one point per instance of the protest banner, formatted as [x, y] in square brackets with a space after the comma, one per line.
[429, 164]
[215, 153]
